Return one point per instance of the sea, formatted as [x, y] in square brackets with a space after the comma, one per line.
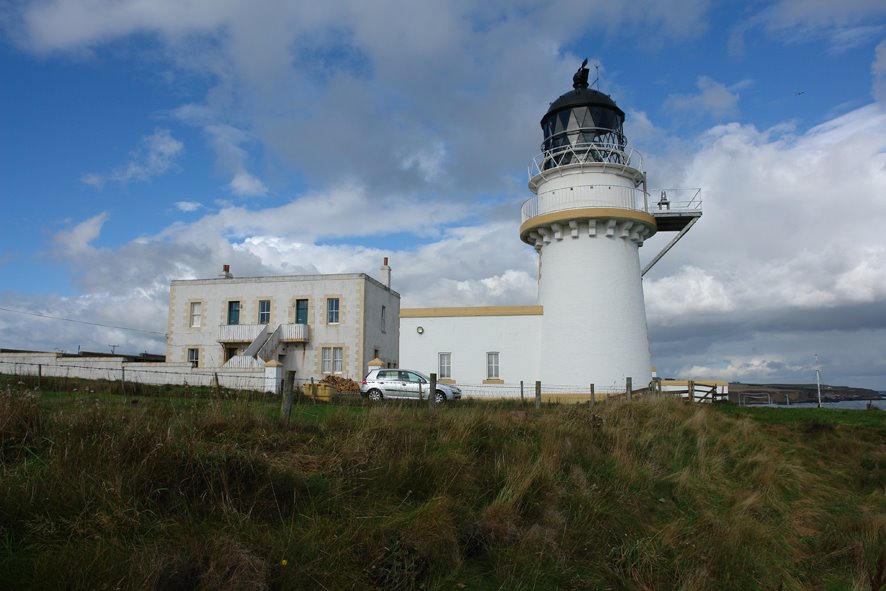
[847, 404]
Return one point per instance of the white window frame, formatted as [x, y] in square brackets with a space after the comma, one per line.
[338, 359]
[326, 360]
[196, 315]
[492, 365]
[444, 365]
[333, 311]
[262, 312]
[194, 356]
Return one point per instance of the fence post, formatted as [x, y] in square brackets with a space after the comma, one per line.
[691, 388]
[286, 407]
[39, 375]
[313, 391]
[629, 387]
[123, 379]
[432, 393]
[521, 393]
[591, 401]
[537, 394]
[217, 384]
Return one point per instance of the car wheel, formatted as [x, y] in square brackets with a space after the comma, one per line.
[440, 398]
[374, 395]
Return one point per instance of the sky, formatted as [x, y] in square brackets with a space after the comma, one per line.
[143, 141]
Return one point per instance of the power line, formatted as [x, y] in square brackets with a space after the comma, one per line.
[80, 321]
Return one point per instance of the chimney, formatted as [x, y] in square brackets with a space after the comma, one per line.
[226, 272]
[386, 274]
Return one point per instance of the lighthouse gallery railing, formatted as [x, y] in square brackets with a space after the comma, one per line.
[584, 197]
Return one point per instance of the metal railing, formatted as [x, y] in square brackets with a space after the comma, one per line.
[676, 199]
[584, 197]
[608, 155]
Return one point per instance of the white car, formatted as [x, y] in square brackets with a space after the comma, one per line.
[406, 384]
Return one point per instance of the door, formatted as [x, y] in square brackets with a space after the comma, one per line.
[414, 386]
[390, 383]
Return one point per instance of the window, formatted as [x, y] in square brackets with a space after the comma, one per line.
[337, 359]
[332, 360]
[196, 314]
[301, 311]
[264, 311]
[492, 366]
[383, 324]
[444, 369]
[233, 312]
[194, 357]
[332, 305]
[230, 352]
[326, 360]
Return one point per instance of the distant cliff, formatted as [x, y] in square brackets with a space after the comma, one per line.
[781, 393]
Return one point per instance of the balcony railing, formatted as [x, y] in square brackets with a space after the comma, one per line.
[247, 333]
[239, 333]
[584, 197]
[294, 333]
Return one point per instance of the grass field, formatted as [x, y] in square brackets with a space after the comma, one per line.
[104, 491]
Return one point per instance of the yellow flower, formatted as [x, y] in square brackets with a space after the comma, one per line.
[284, 562]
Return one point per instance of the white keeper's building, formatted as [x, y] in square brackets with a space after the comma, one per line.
[314, 325]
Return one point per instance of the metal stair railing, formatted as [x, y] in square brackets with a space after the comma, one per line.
[269, 348]
[257, 343]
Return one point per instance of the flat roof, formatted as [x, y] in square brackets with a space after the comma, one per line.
[284, 279]
[472, 311]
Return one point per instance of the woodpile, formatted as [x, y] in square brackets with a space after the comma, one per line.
[341, 384]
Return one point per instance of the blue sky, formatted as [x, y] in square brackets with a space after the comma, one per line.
[148, 141]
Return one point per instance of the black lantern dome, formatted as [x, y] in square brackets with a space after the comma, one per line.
[583, 125]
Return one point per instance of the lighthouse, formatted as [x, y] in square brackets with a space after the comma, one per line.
[588, 217]
[587, 220]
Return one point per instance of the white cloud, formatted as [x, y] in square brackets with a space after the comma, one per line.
[245, 185]
[428, 160]
[844, 24]
[714, 99]
[78, 239]
[233, 159]
[786, 253]
[315, 85]
[188, 206]
[155, 155]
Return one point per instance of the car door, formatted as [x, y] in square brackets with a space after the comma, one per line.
[390, 383]
[414, 386]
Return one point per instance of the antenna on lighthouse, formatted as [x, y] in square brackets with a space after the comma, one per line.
[596, 76]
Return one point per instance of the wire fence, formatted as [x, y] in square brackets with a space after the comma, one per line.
[129, 376]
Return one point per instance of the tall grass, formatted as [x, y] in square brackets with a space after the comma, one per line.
[97, 492]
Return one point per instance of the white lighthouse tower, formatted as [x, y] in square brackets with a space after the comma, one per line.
[587, 221]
